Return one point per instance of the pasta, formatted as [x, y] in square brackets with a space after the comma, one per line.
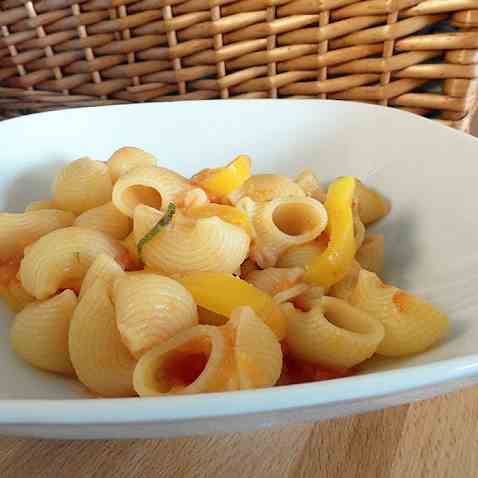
[282, 284]
[81, 185]
[125, 159]
[106, 219]
[372, 206]
[39, 333]
[20, 230]
[257, 352]
[282, 223]
[208, 244]
[197, 360]
[370, 256]
[411, 325]
[265, 187]
[99, 357]
[151, 186]
[105, 268]
[332, 333]
[139, 281]
[61, 255]
[150, 309]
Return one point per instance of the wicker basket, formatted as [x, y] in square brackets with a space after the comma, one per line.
[417, 55]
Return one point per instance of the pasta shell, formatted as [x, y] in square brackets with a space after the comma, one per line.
[371, 254]
[283, 223]
[101, 360]
[301, 255]
[344, 288]
[150, 186]
[65, 254]
[281, 284]
[105, 268]
[81, 185]
[150, 309]
[209, 244]
[39, 333]
[105, 219]
[308, 299]
[333, 333]
[257, 351]
[125, 159]
[265, 187]
[311, 185]
[411, 325]
[372, 206]
[198, 360]
[20, 230]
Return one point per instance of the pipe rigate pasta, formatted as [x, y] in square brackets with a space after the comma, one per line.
[152, 186]
[101, 360]
[411, 324]
[197, 360]
[371, 254]
[372, 206]
[106, 218]
[127, 158]
[61, 255]
[332, 333]
[81, 185]
[190, 245]
[39, 333]
[20, 230]
[150, 309]
[282, 223]
[265, 187]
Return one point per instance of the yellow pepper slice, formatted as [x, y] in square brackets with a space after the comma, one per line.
[228, 214]
[221, 181]
[222, 293]
[333, 264]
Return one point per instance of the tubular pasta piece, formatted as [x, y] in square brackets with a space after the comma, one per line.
[282, 223]
[63, 255]
[151, 186]
[370, 256]
[39, 333]
[101, 360]
[105, 268]
[150, 309]
[411, 325]
[301, 255]
[125, 159]
[209, 244]
[372, 206]
[265, 187]
[197, 360]
[81, 185]
[106, 219]
[333, 333]
[20, 230]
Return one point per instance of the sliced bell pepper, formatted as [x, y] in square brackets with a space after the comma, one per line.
[219, 182]
[222, 293]
[229, 214]
[332, 265]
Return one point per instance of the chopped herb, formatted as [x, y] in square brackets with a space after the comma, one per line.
[164, 221]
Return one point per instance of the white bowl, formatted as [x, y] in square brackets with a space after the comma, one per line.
[429, 171]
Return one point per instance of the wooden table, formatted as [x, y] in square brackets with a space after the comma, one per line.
[436, 438]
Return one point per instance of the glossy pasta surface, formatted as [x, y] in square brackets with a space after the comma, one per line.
[139, 281]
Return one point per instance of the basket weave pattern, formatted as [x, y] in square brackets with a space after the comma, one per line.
[418, 55]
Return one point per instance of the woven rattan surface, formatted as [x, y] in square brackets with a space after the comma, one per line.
[418, 55]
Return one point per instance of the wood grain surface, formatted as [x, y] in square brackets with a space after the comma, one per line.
[435, 438]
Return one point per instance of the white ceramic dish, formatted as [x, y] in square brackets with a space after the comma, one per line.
[429, 171]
